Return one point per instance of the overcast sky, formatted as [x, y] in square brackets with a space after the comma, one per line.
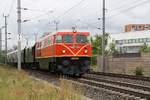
[82, 14]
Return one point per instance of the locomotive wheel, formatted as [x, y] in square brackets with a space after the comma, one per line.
[37, 66]
[52, 67]
[80, 75]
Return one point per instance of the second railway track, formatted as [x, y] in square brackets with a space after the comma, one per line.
[141, 78]
[136, 90]
[92, 80]
[119, 83]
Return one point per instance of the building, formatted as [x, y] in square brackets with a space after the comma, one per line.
[137, 27]
[129, 42]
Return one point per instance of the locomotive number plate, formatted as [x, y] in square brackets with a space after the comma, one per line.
[74, 58]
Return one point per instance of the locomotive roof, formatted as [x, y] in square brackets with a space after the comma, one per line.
[62, 32]
[86, 33]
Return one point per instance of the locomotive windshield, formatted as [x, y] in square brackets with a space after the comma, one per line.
[68, 38]
[58, 39]
[81, 38]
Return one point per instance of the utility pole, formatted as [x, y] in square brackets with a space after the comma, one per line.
[1, 37]
[56, 23]
[103, 39]
[19, 33]
[5, 16]
[36, 37]
[0, 40]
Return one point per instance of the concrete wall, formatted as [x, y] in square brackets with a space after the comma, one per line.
[126, 65]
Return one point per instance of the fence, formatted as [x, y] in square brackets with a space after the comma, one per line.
[125, 64]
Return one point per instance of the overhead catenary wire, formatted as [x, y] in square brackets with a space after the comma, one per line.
[124, 5]
[11, 7]
[120, 7]
[89, 25]
[34, 10]
[56, 17]
[39, 16]
[61, 15]
[129, 8]
[123, 8]
[68, 10]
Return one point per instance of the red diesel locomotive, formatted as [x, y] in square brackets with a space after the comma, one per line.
[64, 52]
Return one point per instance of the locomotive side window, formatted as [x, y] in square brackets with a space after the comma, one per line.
[81, 38]
[68, 38]
[58, 39]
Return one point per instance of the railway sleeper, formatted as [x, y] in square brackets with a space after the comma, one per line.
[136, 86]
[121, 89]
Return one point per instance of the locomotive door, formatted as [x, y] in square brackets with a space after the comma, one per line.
[38, 49]
[54, 49]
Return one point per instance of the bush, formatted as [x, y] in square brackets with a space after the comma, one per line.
[2, 57]
[139, 71]
[94, 60]
[145, 48]
[18, 85]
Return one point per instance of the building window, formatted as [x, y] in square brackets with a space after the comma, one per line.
[116, 41]
[133, 26]
[126, 41]
[148, 39]
[145, 40]
[120, 41]
[136, 41]
[141, 40]
[140, 26]
[130, 41]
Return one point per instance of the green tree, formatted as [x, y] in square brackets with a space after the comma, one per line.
[145, 48]
[96, 45]
[112, 49]
[139, 71]
[2, 57]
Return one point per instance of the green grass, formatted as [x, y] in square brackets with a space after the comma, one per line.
[16, 85]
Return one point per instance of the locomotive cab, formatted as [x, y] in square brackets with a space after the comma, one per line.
[73, 44]
[74, 51]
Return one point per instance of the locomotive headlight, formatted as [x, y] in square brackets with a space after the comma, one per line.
[86, 51]
[63, 51]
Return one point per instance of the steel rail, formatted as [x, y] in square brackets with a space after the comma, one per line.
[135, 86]
[114, 88]
[141, 78]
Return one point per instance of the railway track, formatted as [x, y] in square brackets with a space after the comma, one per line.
[141, 78]
[117, 86]
[119, 83]
[94, 80]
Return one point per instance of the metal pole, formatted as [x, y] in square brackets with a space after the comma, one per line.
[56, 26]
[36, 37]
[0, 40]
[5, 37]
[19, 33]
[103, 39]
[56, 23]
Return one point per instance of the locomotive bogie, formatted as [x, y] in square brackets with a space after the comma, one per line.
[71, 65]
